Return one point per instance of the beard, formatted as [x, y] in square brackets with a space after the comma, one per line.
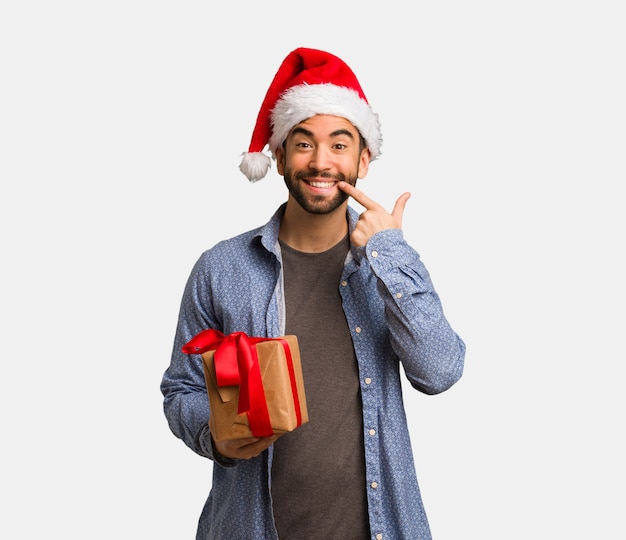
[316, 204]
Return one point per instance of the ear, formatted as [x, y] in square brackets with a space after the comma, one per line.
[364, 163]
[280, 160]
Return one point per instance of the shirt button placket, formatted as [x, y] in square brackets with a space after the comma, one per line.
[372, 432]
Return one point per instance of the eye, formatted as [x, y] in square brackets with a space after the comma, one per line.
[340, 146]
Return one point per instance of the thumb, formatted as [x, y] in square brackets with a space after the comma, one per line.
[398, 208]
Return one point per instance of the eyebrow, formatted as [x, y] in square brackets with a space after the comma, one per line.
[308, 133]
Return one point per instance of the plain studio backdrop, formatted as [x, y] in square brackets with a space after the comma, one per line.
[121, 130]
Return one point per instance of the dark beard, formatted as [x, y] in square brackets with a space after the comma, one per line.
[316, 204]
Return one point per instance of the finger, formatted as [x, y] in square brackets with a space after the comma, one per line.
[358, 195]
[260, 445]
[246, 447]
[398, 208]
[233, 448]
[246, 441]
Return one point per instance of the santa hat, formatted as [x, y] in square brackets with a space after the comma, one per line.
[308, 82]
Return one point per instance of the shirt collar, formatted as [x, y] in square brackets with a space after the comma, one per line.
[268, 233]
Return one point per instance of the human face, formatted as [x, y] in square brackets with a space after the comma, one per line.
[318, 153]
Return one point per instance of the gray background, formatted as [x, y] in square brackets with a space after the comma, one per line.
[121, 129]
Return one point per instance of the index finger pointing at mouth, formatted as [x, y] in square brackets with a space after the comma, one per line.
[357, 195]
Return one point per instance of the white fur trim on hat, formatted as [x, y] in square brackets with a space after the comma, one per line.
[305, 101]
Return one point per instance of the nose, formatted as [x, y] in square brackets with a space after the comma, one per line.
[320, 159]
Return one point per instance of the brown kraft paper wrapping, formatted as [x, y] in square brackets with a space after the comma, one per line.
[225, 423]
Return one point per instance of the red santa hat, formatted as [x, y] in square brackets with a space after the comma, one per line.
[308, 82]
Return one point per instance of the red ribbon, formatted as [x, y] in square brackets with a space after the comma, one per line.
[237, 364]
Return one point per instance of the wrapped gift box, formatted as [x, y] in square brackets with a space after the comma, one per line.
[255, 385]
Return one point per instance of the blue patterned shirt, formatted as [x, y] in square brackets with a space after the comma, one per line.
[395, 319]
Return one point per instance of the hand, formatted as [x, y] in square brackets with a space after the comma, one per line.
[246, 448]
[375, 218]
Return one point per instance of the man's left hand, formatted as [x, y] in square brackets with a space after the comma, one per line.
[375, 218]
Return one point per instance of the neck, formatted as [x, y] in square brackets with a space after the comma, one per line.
[312, 233]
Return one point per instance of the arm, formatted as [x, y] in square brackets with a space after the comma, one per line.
[431, 353]
[186, 403]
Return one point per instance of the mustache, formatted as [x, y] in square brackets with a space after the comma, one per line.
[309, 175]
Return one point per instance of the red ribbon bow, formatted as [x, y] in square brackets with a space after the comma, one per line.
[237, 364]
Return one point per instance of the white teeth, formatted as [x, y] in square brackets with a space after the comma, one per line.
[322, 184]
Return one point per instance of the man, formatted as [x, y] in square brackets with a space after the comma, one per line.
[362, 305]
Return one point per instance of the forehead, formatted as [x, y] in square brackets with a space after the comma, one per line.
[322, 125]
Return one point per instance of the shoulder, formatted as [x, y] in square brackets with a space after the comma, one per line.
[249, 248]
[233, 249]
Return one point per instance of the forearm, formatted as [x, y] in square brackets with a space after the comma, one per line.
[185, 401]
[431, 352]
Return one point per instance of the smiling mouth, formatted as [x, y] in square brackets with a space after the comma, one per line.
[322, 185]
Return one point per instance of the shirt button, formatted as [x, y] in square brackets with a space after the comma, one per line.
[358, 329]
[368, 380]
[374, 254]
[344, 283]
[398, 295]
[379, 536]
[372, 432]
[374, 485]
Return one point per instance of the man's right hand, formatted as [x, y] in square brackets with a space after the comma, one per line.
[246, 448]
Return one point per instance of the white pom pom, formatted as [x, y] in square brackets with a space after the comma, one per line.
[255, 165]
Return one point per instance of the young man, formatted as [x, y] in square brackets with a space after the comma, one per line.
[362, 305]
